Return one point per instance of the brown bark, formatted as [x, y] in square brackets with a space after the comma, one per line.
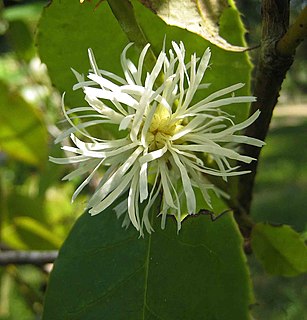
[271, 71]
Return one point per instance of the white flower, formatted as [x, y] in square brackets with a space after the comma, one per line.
[168, 138]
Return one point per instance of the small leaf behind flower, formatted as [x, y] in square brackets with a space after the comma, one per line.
[280, 249]
[201, 17]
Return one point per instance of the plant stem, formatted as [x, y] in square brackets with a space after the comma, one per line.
[272, 68]
[124, 13]
[278, 45]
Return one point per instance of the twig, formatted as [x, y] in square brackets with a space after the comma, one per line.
[124, 13]
[271, 72]
[278, 46]
[294, 36]
[27, 257]
[212, 215]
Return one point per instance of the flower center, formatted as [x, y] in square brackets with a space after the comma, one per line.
[162, 128]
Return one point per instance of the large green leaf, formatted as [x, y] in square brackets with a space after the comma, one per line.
[280, 249]
[106, 272]
[22, 133]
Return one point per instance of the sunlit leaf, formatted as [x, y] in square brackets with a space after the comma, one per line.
[23, 135]
[29, 12]
[35, 234]
[201, 17]
[280, 249]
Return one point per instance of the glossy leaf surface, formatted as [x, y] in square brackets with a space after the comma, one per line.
[106, 272]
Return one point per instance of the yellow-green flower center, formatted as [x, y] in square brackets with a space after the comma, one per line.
[162, 128]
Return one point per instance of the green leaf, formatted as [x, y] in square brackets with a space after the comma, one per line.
[201, 17]
[106, 272]
[280, 249]
[66, 48]
[21, 39]
[124, 13]
[23, 135]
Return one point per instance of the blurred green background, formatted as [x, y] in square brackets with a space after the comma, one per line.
[35, 207]
[31, 191]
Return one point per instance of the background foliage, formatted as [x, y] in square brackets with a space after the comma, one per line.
[36, 212]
